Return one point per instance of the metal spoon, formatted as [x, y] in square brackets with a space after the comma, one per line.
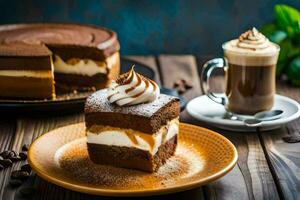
[263, 116]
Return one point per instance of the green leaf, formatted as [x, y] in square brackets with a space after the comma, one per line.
[287, 19]
[293, 71]
[280, 67]
[287, 52]
[285, 48]
[268, 29]
[296, 39]
[277, 36]
[272, 32]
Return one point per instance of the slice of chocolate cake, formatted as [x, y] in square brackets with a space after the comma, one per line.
[131, 124]
[80, 56]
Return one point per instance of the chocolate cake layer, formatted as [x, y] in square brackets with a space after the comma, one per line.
[25, 63]
[66, 40]
[75, 81]
[147, 118]
[131, 157]
[26, 87]
[93, 53]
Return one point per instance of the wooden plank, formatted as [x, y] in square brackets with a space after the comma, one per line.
[287, 90]
[251, 178]
[150, 62]
[174, 68]
[283, 157]
[27, 130]
[7, 131]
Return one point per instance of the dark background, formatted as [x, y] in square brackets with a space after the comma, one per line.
[153, 26]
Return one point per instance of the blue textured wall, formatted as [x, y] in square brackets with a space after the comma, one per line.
[152, 26]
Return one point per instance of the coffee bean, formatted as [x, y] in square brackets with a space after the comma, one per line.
[176, 84]
[11, 154]
[181, 90]
[291, 139]
[188, 86]
[26, 168]
[5, 154]
[15, 158]
[25, 147]
[23, 155]
[27, 191]
[6, 163]
[1, 167]
[15, 182]
[19, 174]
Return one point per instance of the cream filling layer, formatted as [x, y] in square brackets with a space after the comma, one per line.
[27, 73]
[86, 67]
[123, 139]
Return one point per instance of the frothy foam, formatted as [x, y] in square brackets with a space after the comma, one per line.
[252, 48]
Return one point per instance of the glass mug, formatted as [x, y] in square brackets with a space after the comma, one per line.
[250, 81]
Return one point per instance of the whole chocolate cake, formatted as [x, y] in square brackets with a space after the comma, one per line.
[131, 124]
[35, 56]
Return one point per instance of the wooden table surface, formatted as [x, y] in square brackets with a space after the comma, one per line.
[267, 168]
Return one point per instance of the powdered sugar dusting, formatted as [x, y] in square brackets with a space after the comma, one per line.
[73, 158]
[184, 155]
[97, 102]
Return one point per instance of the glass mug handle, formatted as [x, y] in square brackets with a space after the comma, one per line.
[207, 69]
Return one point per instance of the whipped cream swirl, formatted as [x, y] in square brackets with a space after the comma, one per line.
[132, 88]
[252, 39]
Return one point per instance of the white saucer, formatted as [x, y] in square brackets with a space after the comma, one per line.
[206, 110]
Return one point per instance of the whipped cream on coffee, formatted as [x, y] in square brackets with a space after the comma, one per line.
[251, 42]
[132, 88]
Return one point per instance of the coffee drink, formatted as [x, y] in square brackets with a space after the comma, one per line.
[245, 89]
[250, 68]
[250, 73]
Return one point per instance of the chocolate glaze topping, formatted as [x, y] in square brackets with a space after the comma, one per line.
[66, 40]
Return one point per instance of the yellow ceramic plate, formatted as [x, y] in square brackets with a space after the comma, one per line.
[201, 157]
